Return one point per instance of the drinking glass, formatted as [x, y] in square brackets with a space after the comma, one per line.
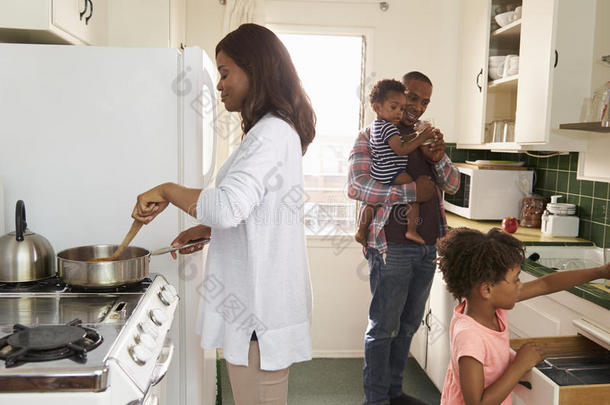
[421, 125]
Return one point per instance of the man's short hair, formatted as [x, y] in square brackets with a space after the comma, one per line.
[415, 75]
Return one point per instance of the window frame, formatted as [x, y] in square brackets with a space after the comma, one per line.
[367, 35]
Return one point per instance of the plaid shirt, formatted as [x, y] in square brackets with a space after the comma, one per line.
[363, 188]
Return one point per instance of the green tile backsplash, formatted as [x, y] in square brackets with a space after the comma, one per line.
[557, 176]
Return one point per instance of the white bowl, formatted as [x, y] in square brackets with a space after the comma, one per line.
[511, 65]
[505, 18]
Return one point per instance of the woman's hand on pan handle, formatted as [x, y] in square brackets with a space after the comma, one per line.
[191, 235]
[150, 204]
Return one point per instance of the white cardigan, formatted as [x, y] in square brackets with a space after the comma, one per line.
[257, 276]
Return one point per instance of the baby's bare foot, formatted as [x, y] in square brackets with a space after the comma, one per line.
[361, 237]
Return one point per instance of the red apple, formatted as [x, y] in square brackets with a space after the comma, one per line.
[510, 224]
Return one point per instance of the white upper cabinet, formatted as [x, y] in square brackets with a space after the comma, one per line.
[136, 23]
[78, 22]
[555, 74]
[553, 41]
[472, 79]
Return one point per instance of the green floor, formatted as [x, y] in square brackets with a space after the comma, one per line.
[338, 382]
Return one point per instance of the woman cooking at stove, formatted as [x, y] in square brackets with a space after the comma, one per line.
[256, 297]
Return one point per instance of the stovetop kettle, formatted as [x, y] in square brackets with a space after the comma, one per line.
[24, 255]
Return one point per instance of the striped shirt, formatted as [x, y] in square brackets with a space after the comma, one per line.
[360, 186]
[386, 163]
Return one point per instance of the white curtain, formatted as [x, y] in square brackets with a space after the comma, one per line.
[237, 12]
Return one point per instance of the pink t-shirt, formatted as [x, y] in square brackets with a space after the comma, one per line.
[469, 338]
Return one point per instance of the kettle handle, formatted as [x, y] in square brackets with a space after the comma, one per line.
[20, 224]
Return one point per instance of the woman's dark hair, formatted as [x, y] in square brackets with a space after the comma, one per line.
[380, 90]
[275, 86]
[468, 257]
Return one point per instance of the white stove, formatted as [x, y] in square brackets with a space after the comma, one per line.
[117, 347]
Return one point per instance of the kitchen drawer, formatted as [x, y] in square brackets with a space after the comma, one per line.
[545, 391]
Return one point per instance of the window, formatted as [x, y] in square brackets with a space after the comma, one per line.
[331, 70]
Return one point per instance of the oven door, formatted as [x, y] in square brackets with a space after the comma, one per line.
[157, 393]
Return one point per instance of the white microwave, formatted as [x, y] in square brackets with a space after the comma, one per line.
[489, 194]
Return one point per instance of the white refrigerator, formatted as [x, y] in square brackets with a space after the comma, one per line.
[83, 131]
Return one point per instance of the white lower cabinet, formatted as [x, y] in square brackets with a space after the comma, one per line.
[430, 345]
[419, 342]
[547, 315]
[442, 304]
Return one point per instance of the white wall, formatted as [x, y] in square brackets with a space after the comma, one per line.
[139, 23]
[411, 35]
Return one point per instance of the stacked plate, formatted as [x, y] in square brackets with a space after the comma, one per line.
[511, 65]
[496, 67]
[561, 209]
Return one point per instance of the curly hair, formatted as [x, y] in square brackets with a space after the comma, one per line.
[380, 90]
[468, 257]
[275, 86]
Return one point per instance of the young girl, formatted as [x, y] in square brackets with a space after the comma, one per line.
[389, 152]
[483, 269]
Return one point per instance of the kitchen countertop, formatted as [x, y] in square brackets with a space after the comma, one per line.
[596, 293]
[529, 236]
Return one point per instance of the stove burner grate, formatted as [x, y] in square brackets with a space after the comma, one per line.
[140, 286]
[48, 342]
[50, 284]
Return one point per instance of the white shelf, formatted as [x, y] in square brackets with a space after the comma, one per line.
[503, 146]
[511, 30]
[504, 83]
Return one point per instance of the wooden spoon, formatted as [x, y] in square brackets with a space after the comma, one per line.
[135, 227]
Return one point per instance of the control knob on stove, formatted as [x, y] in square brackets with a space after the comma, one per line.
[172, 290]
[146, 340]
[149, 328]
[166, 297]
[158, 316]
[140, 354]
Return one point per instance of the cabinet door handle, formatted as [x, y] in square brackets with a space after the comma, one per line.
[91, 13]
[427, 319]
[82, 13]
[526, 384]
[477, 80]
[556, 58]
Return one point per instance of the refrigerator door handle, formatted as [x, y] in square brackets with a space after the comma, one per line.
[82, 13]
[91, 13]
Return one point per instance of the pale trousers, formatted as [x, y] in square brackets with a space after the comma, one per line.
[253, 386]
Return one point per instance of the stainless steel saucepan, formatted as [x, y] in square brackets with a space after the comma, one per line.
[76, 268]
